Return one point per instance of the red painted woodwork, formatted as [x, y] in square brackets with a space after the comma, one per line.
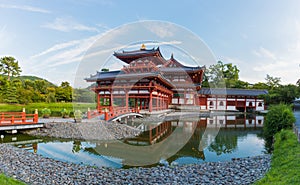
[10, 118]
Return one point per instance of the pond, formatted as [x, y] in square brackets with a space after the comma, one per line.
[176, 142]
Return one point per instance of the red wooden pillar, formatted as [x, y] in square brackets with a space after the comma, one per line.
[35, 116]
[98, 102]
[106, 116]
[140, 102]
[150, 101]
[135, 104]
[126, 100]
[23, 116]
[111, 101]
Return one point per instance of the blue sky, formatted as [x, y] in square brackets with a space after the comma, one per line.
[49, 38]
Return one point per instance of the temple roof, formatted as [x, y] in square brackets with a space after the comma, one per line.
[235, 92]
[129, 56]
[180, 69]
[111, 75]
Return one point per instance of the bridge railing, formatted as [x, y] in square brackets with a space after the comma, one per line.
[111, 112]
[8, 118]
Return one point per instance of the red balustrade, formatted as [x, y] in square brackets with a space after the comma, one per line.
[9, 118]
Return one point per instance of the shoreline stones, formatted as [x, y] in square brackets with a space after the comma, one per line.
[34, 169]
[86, 131]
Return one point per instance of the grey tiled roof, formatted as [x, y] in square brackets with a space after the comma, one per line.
[230, 91]
[120, 74]
[179, 69]
[104, 75]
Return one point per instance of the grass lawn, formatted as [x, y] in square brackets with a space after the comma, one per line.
[9, 181]
[285, 165]
[54, 107]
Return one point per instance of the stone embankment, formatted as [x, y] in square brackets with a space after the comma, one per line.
[97, 130]
[34, 169]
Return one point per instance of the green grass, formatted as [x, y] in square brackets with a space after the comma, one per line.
[285, 165]
[4, 180]
[55, 108]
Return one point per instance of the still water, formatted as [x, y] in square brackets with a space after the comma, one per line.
[218, 138]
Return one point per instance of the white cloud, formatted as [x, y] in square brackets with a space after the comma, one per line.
[283, 64]
[25, 8]
[263, 52]
[57, 47]
[64, 53]
[67, 25]
[162, 30]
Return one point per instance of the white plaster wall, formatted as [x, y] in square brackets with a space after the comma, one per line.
[231, 108]
[262, 107]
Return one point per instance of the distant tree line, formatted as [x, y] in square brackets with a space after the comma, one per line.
[15, 89]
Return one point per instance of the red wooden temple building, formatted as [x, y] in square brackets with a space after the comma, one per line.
[147, 81]
[150, 82]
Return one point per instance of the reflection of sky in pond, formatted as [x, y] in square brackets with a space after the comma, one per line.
[63, 151]
[249, 145]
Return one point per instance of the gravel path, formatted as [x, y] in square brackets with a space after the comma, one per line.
[97, 130]
[34, 169]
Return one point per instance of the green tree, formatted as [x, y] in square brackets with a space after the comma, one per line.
[224, 75]
[272, 82]
[260, 85]
[9, 66]
[10, 95]
[278, 117]
[64, 92]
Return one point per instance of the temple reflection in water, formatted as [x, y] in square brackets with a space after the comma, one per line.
[185, 141]
[172, 140]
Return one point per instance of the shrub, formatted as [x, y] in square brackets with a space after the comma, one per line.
[278, 117]
[46, 112]
[78, 116]
[65, 113]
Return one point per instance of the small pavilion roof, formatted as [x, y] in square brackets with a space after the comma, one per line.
[231, 91]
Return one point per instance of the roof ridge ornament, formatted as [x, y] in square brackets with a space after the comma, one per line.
[143, 47]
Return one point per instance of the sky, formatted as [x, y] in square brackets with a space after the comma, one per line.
[51, 38]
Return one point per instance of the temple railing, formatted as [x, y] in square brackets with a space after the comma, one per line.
[9, 118]
[111, 112]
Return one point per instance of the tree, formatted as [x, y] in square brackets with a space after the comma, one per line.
[64, 92]
[272, 82]
[9, 66]
[221, 75]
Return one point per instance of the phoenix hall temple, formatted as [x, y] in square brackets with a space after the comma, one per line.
[149, 82]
